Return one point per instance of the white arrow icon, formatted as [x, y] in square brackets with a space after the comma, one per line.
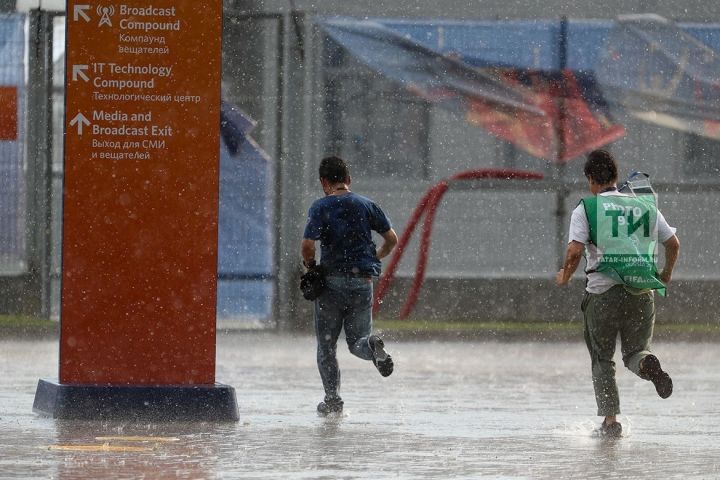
[79, 71]
[79, 120]
[79, 11]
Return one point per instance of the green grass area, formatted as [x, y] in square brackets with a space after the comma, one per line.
[688, 328]
[15, 325]
[18, 325]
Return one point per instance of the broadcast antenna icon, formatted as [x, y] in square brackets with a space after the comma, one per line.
[105, 14]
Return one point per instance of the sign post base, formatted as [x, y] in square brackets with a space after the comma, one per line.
[207, 403]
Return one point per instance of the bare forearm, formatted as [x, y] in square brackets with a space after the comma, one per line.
[672, 250]
[307, 251]
[389, 241]
[569, 267]
[572, 260]
[384, 250]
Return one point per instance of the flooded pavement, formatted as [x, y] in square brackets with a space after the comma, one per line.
[495, 410]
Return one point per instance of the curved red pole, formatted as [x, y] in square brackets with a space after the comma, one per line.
[387, 277]
[430, 202]
[438, 193]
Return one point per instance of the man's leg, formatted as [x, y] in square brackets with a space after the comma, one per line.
[636, 335]
[600, 336]
[328, 324]
[358, 328]
[636, 329]
[358, 318]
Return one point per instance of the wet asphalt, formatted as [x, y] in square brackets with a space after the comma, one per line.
[476, 409]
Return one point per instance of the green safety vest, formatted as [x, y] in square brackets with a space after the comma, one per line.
[624, 229]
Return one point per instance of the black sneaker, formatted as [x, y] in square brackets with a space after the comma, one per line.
[650, 370]
[381, 359]
[330, 406]
[611, 430]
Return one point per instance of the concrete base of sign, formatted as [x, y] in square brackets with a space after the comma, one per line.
[158, 403]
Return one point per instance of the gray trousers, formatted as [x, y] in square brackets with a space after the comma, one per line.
[616, 311]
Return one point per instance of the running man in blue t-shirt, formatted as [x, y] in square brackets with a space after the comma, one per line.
[342, 221]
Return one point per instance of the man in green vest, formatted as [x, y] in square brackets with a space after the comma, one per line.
[619, 234]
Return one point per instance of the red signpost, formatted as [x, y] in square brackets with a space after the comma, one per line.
[8, 113]
[140, 210]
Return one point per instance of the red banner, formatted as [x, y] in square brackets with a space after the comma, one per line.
[8, 113]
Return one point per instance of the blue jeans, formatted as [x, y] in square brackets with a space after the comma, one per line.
[346, 302]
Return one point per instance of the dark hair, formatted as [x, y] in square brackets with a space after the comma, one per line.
[600, 167]
[334, 169]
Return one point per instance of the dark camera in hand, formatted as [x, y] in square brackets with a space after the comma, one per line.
[312, 282]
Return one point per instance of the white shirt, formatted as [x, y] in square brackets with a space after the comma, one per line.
[580, 232]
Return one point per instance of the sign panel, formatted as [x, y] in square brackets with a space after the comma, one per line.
[8, 113]
[141, 192]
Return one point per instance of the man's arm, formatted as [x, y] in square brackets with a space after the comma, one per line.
[390, 239]
[572, 260]
[307, 250]
[672, 249]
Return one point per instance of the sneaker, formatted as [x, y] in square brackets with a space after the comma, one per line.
[611, 430]
[381, 359]
[330, 406]
[650, 370]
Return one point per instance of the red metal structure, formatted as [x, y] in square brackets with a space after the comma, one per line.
[428, 205]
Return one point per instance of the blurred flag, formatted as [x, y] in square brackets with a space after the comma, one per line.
[572, 124]
[437, 77]
[547, 115]
[235, 126]
[663, 75]
[245, 222]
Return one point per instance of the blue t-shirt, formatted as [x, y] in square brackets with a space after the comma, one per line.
[343, 224]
